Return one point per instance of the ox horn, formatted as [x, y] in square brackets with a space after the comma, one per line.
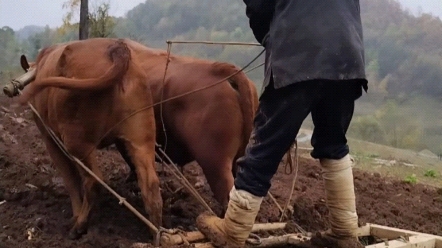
[11, 89]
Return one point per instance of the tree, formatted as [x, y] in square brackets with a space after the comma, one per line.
[95, 23]
[367, 128]
[11, 48]
[83, 25]
[390, 119]
[84, 22]
[101, 24]
[40, 40]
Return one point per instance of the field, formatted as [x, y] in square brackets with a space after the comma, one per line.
[35, 209]
[407, 165]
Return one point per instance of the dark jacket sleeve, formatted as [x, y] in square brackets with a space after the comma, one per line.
[260, 14]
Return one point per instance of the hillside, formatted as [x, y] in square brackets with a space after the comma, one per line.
[403, 58]
[402, 51]
[401, 164]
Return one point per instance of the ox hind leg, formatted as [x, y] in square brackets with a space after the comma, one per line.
[218, 172]
[142, 156]
[138, 134]
[90, 188]
[69, 173]
[137, 139]
[123, 152]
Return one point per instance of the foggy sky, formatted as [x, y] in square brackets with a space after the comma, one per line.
[19, 13]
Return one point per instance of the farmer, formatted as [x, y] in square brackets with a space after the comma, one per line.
[314, 65]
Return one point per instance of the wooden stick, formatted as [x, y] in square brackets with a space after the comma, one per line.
[273, 241]
[140, 245]
[392, 233]
[414, 242]
[12, 89]
[215, 43]
[203, 245]
[176, 239]
[268, 226]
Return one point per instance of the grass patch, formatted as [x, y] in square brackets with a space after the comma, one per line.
[430, 173]
[402, 164]
[412, 179]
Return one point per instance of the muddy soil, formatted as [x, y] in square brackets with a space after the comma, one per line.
[35, 209]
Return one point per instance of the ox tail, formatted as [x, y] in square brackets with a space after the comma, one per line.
[118, 53]
[248, 97]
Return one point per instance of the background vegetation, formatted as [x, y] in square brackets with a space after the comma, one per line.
[403, 57]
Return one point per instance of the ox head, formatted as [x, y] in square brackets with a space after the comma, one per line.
[12, 88]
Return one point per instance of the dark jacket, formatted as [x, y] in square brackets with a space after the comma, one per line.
[308, 39]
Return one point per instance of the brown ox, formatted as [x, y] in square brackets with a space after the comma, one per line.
[95, 84]
[211, 126]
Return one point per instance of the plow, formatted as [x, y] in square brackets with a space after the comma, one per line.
[371, 235]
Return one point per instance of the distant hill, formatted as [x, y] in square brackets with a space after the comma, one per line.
[26, 32]
[403, 51]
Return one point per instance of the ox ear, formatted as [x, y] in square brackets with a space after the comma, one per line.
[24, 63]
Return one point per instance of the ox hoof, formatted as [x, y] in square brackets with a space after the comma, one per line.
[73, 220]
[76, 233]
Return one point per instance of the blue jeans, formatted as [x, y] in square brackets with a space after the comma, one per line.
[279, 117]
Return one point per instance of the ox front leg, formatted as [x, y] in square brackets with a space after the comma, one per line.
[148, 181]
[90, 188]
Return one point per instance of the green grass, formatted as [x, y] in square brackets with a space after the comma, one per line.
[402, 164]
[430, 173]
[411, 179]
[405, 165]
